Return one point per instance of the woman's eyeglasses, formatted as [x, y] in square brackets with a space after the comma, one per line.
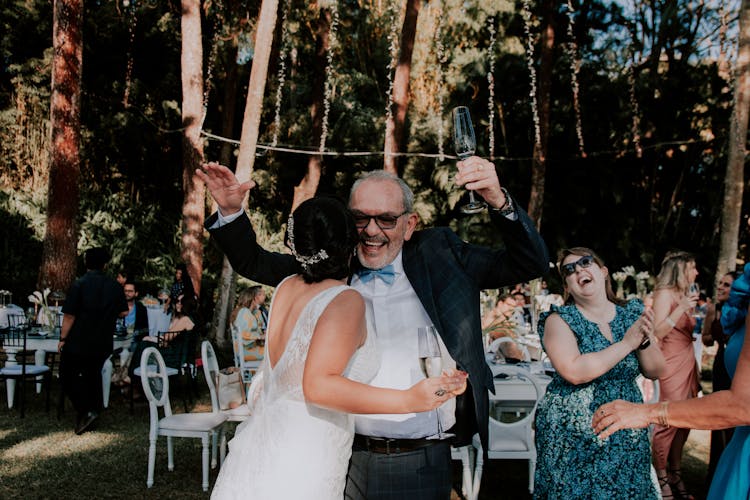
[570, 268]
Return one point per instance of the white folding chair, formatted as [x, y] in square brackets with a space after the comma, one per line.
[464, 454]
[205, 426]
[511, 440]
[210, 369]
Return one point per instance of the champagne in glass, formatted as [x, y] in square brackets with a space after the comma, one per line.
[431, 363]
[465, 144]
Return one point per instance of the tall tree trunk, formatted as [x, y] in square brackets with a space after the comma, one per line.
[228, 278]
[249, 139]
[256, 88]
[309, 184]
[394, 128]
[58, 268]
[193, 205]
[733, 182]
[539, 162]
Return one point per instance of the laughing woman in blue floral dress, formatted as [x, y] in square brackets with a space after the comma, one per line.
[598, 345]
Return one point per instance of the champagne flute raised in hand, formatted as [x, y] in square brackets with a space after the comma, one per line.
[465, 144]
[431, 363]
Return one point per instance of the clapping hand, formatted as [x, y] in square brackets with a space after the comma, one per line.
[223, 185]
[640, 330]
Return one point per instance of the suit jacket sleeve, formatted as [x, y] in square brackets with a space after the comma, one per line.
[238, 242]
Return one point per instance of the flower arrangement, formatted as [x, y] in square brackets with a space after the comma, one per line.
[641, 281]
[39, 299]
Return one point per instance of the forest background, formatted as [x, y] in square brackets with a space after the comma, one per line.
[611, 121]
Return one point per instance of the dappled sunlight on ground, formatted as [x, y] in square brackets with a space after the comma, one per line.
[21, 457]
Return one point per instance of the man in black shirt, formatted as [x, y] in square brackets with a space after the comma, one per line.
[92, 306]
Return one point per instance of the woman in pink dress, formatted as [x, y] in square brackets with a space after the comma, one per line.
[673, 307]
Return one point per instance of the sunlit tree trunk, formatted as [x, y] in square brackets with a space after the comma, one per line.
[539, 162]
[256, 88]
[733, 182]
[58, 267]
[249, 136]
[193, 205]
[309, 184]
[394, 128]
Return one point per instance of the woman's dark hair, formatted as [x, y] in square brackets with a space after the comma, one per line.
[188, 306]
[323, 225]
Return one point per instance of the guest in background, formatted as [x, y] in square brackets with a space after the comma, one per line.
[521, 306]
[247, 324]
[136, 320]
[673, 317]
[599, 345]
[714, 332]
[719, 410]
[122, 277]
[92, 306]
[182, 319]
[182, 285]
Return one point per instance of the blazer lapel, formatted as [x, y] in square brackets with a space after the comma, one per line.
[416, 270]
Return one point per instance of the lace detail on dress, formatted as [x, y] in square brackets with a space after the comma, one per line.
[291, 449]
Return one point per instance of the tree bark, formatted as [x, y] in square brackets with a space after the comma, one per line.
[734, 180]
[228, 279]
[309, 184]
[394, 128]
[248, 143]
[193, 205]
[58, 267]
[256, 88]
[539, 162]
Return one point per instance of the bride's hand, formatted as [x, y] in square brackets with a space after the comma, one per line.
[430, 393]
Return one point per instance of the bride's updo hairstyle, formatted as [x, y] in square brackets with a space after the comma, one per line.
[321, 235]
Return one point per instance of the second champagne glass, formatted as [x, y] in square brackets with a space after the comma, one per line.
[466, 144]
[431, 363]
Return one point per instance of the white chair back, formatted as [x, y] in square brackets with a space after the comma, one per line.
[511, 440]
[210, 369]
[155, 382]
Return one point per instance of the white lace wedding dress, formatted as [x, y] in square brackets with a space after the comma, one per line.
[289, 449]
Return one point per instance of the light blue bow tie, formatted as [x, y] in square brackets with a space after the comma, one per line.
[387, 274]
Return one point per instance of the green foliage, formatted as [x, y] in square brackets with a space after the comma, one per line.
[630, 208]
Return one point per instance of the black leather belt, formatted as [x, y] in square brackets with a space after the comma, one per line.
[390, 445]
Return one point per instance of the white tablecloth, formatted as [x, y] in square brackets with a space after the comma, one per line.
[158, 320]
[6, 311]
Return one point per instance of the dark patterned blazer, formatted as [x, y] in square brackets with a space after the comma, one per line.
[447, 275]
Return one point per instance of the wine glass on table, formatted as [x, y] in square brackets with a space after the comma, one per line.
[431, 363]
[465, 145]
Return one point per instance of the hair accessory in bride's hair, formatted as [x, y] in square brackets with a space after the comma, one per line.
[305, 260]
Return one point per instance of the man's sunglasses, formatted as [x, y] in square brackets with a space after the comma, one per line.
[570, 268]
[383, 221]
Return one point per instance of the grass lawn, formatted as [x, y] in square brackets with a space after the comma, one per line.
[41, 457]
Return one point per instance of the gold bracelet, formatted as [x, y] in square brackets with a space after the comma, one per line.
[663, 417]
[670, 322]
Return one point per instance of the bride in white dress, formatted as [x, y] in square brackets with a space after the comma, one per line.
[297, 443]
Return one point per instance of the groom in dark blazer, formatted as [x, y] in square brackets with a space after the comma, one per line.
[432, 267]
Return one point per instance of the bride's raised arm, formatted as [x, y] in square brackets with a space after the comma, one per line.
[339, 332]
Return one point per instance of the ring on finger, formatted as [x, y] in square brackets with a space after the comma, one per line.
[440, 392]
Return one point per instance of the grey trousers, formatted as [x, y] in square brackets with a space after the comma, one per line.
[423, 474]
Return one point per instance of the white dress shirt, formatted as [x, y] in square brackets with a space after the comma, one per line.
[396, 313]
